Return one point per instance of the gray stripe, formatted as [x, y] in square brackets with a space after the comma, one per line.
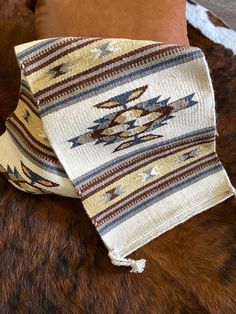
[39, 47]
[118, 80]
[48, 166]
[56, 53]
[117, 161]
[172, 189]
[48, 151]
[27, 99]
[101, 70]
[146, 188]
[113, 176]
[24, 84]
[27, 90]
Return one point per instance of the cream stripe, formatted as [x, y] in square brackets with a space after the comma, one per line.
[20, 48]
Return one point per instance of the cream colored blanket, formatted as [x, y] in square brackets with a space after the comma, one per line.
[127, 126]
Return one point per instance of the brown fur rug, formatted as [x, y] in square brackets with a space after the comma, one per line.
[53, 261]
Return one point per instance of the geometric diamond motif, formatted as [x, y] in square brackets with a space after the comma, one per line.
[191, 154]
[113, 193]
[59, 70]
[149, 173]
[104, 49]
[26, 116]
[130, 123]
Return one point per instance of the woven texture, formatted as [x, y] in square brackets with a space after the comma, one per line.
[127, 126]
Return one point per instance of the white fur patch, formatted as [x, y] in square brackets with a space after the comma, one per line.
[197, 17]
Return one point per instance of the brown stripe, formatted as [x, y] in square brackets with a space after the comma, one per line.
[47, 50]
[97, 67]
[113, 214]
[191, 142]
[26, 101]
[30, 144]
[17, 120]
[153, 153]
[29, 95]
[99, 76]
[153, 187]
[105, 75]
[62, 54]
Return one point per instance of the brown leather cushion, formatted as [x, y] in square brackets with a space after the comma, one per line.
[136, 19]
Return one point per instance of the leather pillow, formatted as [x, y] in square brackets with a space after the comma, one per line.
[137, 19]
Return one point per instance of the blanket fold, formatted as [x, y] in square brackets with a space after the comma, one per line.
[128, 126]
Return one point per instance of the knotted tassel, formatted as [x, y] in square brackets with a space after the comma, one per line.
[137, 266]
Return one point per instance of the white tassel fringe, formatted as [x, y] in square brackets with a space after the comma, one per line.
[137, 266]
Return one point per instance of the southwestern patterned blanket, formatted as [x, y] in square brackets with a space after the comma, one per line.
[52, 260]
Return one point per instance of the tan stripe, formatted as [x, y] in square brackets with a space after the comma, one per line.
[152, 188]
[30, 144]
[98, 67]
[108, 178]
[36, 67]
[68, 87]
[28, 102]
[20, 125]
[48, 49]
[136, 180]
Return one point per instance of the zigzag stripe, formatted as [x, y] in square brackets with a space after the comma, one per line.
[82, 83]
[149, 188]
[27, 99]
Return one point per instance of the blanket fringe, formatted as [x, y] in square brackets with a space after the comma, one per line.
[137, 266]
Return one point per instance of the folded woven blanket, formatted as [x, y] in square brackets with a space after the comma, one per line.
[128, 126]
